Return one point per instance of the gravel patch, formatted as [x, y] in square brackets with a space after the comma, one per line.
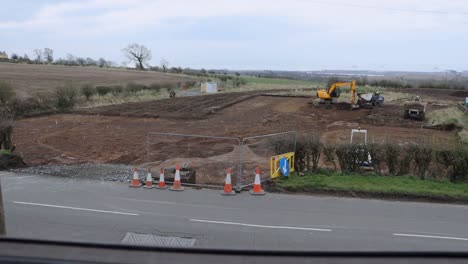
[104, 172]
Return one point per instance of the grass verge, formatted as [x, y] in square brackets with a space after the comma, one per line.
[372, 185]
[451, 116]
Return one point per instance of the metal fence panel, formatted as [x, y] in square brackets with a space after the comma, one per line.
[256, 151]
[204, 158]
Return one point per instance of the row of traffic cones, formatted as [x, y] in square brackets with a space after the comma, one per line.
[177, 185]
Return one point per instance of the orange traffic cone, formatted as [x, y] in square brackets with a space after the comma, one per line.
[149, 180]
[136, 181]
[257, 187]
[177, 186]
[227, 186]
[161, 184]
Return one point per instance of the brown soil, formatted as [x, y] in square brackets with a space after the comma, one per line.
[11, 162]
[461, 94]
[27, 79]
[191, 107]
[118, 134]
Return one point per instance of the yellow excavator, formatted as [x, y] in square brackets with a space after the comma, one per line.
[329, 96]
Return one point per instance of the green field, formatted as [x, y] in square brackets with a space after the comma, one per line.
[451, 115]
[397, 186]
[275, 81]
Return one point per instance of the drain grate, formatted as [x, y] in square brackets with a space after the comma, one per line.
[154, 240]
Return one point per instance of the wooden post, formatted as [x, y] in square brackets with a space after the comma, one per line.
[2, 214]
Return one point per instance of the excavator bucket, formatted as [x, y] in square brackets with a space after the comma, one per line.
[354, 106]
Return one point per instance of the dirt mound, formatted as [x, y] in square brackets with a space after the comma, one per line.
[389, 115]
[460, 94]
[186, 108]
[11, 161]
[444, 127]
[343, 106]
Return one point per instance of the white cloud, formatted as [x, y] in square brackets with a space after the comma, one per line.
[112, 17]
[363, 32]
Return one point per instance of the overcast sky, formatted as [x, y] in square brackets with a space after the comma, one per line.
[422, 35]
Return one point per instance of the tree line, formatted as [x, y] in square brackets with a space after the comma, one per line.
[135, 53]
[46, 56]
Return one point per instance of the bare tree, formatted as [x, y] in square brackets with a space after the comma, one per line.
[38, 55]
[139, 54]
[71, 59]
[81, 61]
[102, 63]
[48, 55]
[164, 64]
[90, 62]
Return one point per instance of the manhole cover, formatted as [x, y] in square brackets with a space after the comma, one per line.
[154, 240]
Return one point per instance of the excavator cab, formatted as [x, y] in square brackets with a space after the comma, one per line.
[328, 96]
[336, 93]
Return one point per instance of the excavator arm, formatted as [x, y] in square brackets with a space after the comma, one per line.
[328, 94]
[353, 92]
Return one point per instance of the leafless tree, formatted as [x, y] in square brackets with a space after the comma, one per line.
[71, 59]
[102, 63]
[38, 55]
[48, 55]
[139, 54]
[164, 64]
[90, 62]
[81, 61]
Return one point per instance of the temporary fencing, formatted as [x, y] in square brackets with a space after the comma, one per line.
[257, 151]
[203, 158]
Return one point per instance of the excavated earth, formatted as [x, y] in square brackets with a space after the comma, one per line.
[119, 134]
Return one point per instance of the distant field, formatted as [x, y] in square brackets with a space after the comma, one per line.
[257, 84]
[27, 79]
[277, 81]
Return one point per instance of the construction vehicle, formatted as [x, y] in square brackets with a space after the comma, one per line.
[330, 95]
[370, 99]
[415, 109]
[172, 93]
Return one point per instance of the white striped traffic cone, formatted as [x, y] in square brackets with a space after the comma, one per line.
[136, 181]
[161, 183]
[227, 185]
[177, 186]
[257, 187]
[149, 180]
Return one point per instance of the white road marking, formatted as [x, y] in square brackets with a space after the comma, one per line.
[75, 208]
[261, 226]
[428, 236]
[17, 177]
[175, 203]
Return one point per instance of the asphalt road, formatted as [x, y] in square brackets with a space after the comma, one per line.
[83, 210]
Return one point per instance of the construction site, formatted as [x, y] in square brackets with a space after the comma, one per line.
[184, 130]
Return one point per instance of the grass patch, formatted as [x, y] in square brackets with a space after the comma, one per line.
[139, 96]
[447, 116]
[258, 84]
[463, 136]
[274, 81]
[5, 152]
[374, 184]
